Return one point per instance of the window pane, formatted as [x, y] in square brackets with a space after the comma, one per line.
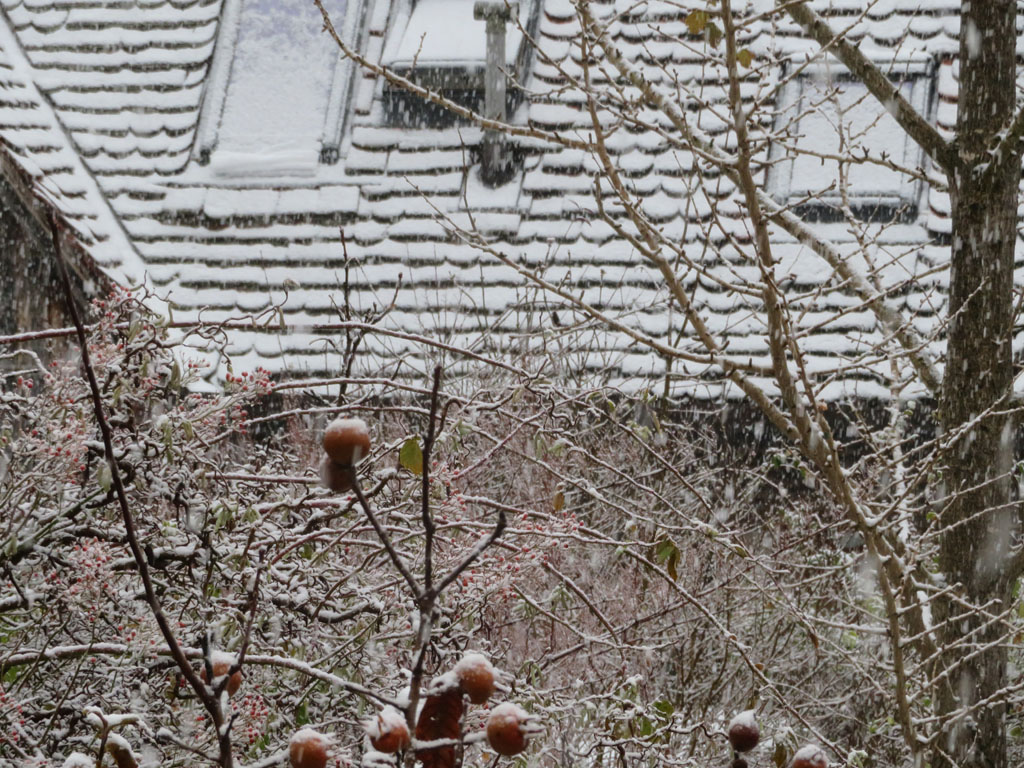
[850, 123]
[280, 81]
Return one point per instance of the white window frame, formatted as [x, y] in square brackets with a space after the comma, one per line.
[217, 80]
[905, 204]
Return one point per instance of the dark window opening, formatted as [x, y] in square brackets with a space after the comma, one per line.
[463, 86]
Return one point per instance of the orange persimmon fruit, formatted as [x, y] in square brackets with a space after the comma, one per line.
[346, 441]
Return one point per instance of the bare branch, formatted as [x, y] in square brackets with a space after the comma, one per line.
[891, 320]
[202, 691]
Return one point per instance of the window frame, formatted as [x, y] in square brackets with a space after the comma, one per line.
[905, 205]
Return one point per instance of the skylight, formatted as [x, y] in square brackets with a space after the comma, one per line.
[276, 115]
[830, 116]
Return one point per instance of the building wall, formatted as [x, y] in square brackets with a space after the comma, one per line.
[31, 293]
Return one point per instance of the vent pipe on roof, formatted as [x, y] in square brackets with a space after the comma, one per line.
[496, 165]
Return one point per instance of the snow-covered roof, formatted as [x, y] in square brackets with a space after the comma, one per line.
[40, 164]
[130, 80]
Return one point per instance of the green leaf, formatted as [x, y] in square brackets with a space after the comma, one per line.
[104, 477]
[646, 726]
[696, 21]
[745, 57]
[411, 456]
[667, 553]
[714, 35]
[223, 517]
[540, 445]
[174, 382]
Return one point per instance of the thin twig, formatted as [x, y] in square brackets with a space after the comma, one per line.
[254, 599]
[384, 538]
[475, 553]
[428, 520]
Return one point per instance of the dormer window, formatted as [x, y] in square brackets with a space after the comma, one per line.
[830, 118]
[439, 45]
[276, 94]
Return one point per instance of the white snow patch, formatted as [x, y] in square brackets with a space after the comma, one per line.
[272, 163]
[97, 718]
[309, 735]
[446, 682]
[387, 720]
[973, 39]
[473, 661]
[508, 712]
[444, 32]
[812, 754]
[744, 719]
[222, 657]
[277, 95]
[117, 743]
[78, 760]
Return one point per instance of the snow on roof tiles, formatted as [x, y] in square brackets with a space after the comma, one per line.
[40, 164]
[126, 78]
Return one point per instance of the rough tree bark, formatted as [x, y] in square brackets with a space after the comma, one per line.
[978, 515]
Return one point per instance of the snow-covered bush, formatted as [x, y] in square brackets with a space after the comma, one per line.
[633, 585]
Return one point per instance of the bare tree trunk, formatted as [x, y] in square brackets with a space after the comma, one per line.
[978, 512]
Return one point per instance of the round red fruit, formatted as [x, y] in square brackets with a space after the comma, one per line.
[346, 441]
[221, 664]
[388, 731]
[505, 729]
[476, 677]
[308, 749]
[810, 756]
[743, 731]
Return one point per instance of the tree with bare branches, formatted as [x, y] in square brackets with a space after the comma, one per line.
[941, 521]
